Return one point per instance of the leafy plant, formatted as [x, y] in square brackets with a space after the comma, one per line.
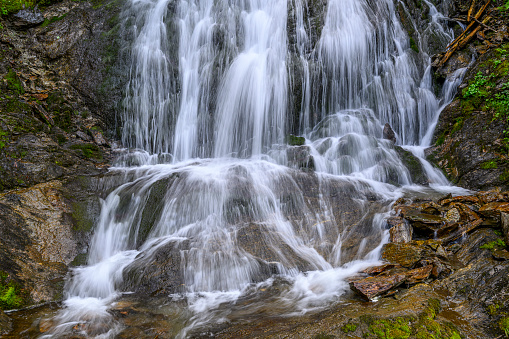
[12, 6]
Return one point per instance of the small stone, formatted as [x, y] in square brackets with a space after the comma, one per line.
[388, 133]
[83, 136]
[28, 17]
[452, 215]
[401, 233]
[99, 138]
[373, 287]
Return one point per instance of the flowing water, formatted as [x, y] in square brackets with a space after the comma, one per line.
[216, 207]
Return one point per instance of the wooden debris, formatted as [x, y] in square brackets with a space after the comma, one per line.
[474, 26]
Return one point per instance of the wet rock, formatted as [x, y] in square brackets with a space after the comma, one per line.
[379, 269]
[299, 157]
[373, 287]
[452, 215]
[27, 17]
[156, 272]
[500, 254]
[493, 210]
[99, 138]
[5, 323]
[41, 233]
[401, 232]
[418, 275]
[388, 133]
[406, 255]
[505, 226]
[414, 166]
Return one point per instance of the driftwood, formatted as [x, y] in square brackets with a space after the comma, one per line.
[472, 5]
[473, 27]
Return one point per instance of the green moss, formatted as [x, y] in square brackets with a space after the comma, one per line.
[413, 45]
[293, 140]
[53, 19]
[13, 82]
[505, 176]
[9, 293]
[440, 140]
[81, 219]
[499, 243]
[350, 327]
[504, 325]
[3, 138]
[12, 6]
[458, 124]
[493, 309]
[424, 327]
[398, 328]
[80, 260]
[89, 151]
[490, 164]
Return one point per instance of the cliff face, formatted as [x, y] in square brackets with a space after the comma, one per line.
[59, 89]
[471, 139]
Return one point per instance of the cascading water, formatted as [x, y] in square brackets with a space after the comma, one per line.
[236, 210]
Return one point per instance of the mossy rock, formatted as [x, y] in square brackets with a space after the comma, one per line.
[293, 140]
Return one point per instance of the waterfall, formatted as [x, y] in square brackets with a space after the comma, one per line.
[215, 204]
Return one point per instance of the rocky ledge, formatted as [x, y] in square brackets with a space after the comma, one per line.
[446, 275]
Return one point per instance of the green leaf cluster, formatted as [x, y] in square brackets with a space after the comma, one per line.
[9, 294]
[12, 6]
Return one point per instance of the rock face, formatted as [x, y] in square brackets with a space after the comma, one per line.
[470, 141]
[55, 116]
[160, 270]
[44, 229]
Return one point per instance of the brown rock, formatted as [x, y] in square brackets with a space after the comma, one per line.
[388, 133]
[488, 196]
[493, 209]
[378, 269]
[452, 215]
[418, 275]
[5, 323]
[372, 287]
[401, 233]
[462, 230]
[500, 254]
[467, 199]
[406, 255]
[505, 226]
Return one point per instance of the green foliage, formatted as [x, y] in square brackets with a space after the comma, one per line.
[504, 325]
[398, 328]
[89, 151]
[413, 45]
[491, 164]
[478, 87]
[13, 82]
[3, 138]
[9, 294]
[499, 243]
[53, 19]
[12, 6]
[350, 327]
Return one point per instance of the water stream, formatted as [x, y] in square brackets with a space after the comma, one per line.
[216, 206]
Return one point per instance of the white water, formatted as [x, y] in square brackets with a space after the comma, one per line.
[214, 180]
